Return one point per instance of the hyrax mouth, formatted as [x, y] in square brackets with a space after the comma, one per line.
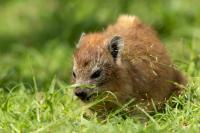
[85, 92]
[91, 97]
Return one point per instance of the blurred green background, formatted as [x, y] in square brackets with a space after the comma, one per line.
[37, 37]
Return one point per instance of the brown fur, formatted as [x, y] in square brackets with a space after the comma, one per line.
[144, 71]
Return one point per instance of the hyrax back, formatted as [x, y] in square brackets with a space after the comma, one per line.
[128, 60]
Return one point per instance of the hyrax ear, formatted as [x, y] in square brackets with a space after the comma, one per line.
[115, 46]
[79, 42]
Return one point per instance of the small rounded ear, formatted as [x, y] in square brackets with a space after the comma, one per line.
[115, 46]
[81, 38]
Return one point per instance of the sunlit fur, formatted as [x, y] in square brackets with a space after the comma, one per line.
[143, 71]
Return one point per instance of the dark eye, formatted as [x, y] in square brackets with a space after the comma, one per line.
[74, 74]
[96, 74]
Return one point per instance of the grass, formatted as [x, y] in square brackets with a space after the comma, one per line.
[36, 43]
[48, 105]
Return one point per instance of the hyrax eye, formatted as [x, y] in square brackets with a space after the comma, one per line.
[96, 74]
[74, 74]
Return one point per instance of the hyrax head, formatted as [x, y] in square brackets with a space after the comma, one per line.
[96, 62]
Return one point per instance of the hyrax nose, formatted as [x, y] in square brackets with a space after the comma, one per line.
[81, 93]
